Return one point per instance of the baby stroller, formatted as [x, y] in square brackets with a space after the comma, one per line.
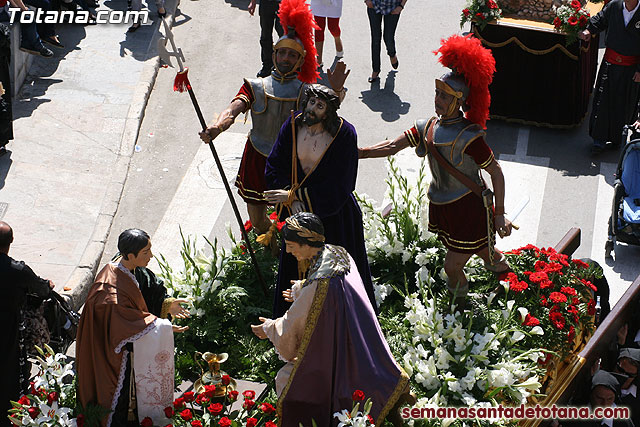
[624, 223]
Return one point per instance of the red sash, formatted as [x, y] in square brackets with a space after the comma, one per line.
[614, 57]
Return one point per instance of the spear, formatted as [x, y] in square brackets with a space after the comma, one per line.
[181, 84]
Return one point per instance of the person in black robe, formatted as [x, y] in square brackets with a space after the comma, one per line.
[325, 190]
[615, 101]
[16, 281]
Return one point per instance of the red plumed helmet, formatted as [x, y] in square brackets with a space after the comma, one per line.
[466, 56]
[298, 24]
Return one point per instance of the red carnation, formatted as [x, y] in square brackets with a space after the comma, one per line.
[24, 400]
[530, 320]
[270, 424]
[189, 396]
[546, 284]
[589, 285]
[249, 394]
[554, 267]
[226, 379]
[576, 4]
[572, 334]
[248, 226]
[33, 412]
[273, 215]
[215, 408]
[267, 408]
[573, 21]
[32, 387]
[248, 404]
[371, 420]
[186, 415]
[232, 395]
[466, 12]
[557, 297]
[196, 423]
[147, 422]
[591, 307]
[568, 290]
[480, 16]
[357, 396]
[540, 265]
[251, 422]
[579, 262]
[538, 277]
[492, 4]
[557, 319]
[168, 412]
[518, 286]
[582, 22]
[543, 301]
[224, 422]
[280, 225]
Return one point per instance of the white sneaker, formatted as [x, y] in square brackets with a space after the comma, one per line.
[340, 54]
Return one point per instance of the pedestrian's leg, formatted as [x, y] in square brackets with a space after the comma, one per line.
[321, 22]
[375, 24]
[258, 217]
[457, 283]
[334, 28]
[389, 36]
[268, 17]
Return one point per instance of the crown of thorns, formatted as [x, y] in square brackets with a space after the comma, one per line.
[326, 94]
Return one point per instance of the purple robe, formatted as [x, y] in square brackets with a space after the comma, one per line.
[342, 350]
[326, 192]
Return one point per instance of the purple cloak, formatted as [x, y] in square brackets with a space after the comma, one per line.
[342, 350]
[326, 192]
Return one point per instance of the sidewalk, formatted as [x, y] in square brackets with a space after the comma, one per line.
[76, 121]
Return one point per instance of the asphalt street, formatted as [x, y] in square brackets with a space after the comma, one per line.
[173, 182]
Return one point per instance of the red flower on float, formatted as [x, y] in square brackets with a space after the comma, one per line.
[538, 277]
[224, 422]
[186, 415]
[249, 394]
[557, 297]
[147, 422]
[576, 4]
[215, 408]
[248, 226]
[579, 262]
[196, 423]
[557, 319]
[573, 21]
[252, 422]
[530, 320]
[571, 334]
[267, 408]
[568, 290]
[591, 307]
[357, 396]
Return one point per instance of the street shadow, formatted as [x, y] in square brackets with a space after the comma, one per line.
[5, 165]
[180, 18]
[625, 255]
[384, 100]
[37, 82]
[238, 4]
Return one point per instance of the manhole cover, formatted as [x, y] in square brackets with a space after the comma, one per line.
[3, 209]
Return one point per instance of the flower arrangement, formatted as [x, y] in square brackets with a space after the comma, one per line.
[51, 395]
[206, 410]
[554, 296]
[355, 417]
[480, 12]
[571, 19]
[226, 297]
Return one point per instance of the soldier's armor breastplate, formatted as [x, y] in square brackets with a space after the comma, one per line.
[451, 140]
[273, 102]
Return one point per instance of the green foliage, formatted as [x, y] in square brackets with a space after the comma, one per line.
[226, 299]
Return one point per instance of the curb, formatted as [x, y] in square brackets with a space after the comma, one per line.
[83, 275]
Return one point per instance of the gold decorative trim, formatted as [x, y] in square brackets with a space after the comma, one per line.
[243, 191]
[448, 89]
[522, 46]
[451, 201]
[294, 225]
[486, 164]
[312, 320]
[309, 206]
[166, 304]
[402, 385]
